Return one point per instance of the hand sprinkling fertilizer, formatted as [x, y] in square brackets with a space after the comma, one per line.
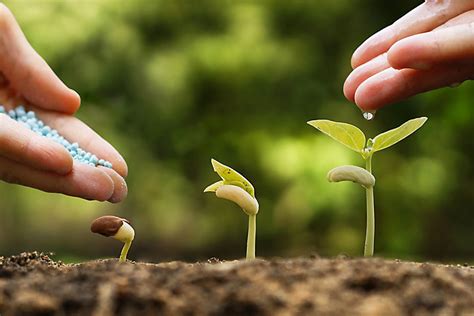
[42, 144]
[29, 120]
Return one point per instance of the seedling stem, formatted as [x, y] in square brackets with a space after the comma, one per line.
[370, 228]
[251, 237]
[123, 254]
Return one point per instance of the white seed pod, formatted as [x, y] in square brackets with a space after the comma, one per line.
[352, 173]
[125, 233]
[240, 197]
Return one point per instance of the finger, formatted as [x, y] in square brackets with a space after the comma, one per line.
[362, 73]
[392, 85]
[466, 17]
[84, 181]
[20, 144]
[423, 18]
[28, 73]
[75, 130]
[120, 186]
[422, 51]
[377, 64]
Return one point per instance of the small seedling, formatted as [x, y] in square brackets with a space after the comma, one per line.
[352, 137]
[117, 228]
[234, 187]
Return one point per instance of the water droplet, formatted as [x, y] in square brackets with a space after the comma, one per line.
[455, 84]
[370, 144]
[369, 115]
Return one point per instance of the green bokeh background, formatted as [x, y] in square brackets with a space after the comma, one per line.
[173, 83]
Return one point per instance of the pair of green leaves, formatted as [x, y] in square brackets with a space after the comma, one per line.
[229, 177]
[354, 138]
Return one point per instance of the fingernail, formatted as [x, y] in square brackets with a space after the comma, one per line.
[120, 193]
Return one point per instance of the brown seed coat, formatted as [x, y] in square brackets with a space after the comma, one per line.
[107, 225]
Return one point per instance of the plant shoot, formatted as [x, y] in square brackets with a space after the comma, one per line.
[353, 138]
[234, 187]
[117, 228]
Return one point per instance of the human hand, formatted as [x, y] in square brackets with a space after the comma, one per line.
[36, 161]
[430, 47]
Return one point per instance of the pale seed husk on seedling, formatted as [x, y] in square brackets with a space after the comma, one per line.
[117, 228]
[234, 187]
[353, 138]
[351, 173]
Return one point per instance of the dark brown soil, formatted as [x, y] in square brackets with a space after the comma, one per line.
[33, 284]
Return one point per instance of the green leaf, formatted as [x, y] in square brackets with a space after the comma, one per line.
[395, 135]
[213, 187]
[232, 177]
[346, 134]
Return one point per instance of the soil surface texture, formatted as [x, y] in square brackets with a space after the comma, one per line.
[34, 284]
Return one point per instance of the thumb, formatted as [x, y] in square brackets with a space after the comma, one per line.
[28, 73]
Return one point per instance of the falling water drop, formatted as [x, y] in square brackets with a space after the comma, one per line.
[368, 115]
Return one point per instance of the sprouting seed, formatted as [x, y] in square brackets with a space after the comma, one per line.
[234, 187]
[117, 228]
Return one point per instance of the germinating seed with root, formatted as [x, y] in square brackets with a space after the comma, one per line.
[117, 228]
[30, 121]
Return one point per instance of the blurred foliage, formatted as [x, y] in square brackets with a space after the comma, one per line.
[173, 83]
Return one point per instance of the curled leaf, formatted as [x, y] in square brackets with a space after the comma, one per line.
[395, 135]
[213, 187]
[240, 197]
[232, 177]
[346, 134]
[352, 173]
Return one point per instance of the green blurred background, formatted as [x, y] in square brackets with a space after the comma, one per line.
[173, 83]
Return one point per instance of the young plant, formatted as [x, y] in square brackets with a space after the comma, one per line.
[234, 187]
[117, 228]
[352, 137]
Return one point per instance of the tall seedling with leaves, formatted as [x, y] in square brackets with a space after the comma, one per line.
[354, 138]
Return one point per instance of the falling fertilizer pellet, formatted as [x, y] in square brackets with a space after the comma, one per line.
[369, 115]
[29, 120]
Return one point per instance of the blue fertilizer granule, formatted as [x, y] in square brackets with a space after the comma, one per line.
[30, 120]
